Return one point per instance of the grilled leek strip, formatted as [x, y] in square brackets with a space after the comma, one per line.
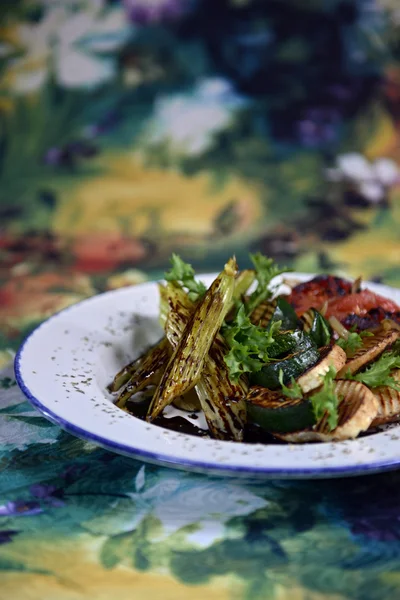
[138, 366]
[186, 364]
[164, 307]
[148, 373]
[221, 400]
[189, 402]
[125, 374]
[243, 280]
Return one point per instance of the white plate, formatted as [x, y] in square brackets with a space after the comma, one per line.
[65, 365]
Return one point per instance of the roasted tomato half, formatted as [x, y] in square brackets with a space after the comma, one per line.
[370, 320]
[317, 291]
[341, 299]
[359, 304]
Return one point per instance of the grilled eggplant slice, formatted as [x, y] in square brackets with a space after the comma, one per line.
[357, 410]
[372, 347]
[330, 356]
[388, 402]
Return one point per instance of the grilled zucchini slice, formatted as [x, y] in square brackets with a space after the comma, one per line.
[272, 411]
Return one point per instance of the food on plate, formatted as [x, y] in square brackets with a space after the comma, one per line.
[320, 363]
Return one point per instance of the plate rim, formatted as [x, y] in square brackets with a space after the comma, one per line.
[215, 468]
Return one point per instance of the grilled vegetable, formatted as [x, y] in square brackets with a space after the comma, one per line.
[221, 400]
[285, 314]
[372, 347]
[189, 402]
[164, 307]
[388, 402]
[329, 356]
[289, 342]
[380, 371]
[358, 408]
[125, 374]
[263, 313]
[185, 366]
[317, 291]
[303, 354]
[350, 341]
[243, 281]
[317, 327]
[217, 338]
[276, 413]
[148, 372]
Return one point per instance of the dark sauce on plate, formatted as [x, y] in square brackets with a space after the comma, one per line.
[252, 433]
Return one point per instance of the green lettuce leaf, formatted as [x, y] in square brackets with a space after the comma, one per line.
[183, 274]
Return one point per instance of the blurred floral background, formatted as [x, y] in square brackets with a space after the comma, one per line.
[130, 129]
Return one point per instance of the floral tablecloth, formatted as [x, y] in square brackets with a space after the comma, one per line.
[131, 129]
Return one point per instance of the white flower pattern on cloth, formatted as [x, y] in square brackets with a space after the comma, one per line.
[69, 46]
[177, 500]
[372, 180]
[186, 123]
[20, 424]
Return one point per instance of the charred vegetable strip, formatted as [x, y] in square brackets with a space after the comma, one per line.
[243, 281]
[164, 307]
[135, 367]
[148, 373]
[222, 401]
[125, 374]
[185, 366]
